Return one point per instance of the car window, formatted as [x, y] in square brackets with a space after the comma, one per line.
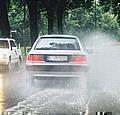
[57, 44]
[4, 44]
[12, 43]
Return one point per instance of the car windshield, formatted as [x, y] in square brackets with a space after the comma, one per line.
[57, 44]
[4, 44]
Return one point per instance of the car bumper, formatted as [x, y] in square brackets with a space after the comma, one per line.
[58, 70]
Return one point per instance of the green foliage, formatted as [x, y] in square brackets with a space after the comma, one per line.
[73, 4]
[42, 23]
[22, 27]
[17, 22]
[80, 18]
[81, 21]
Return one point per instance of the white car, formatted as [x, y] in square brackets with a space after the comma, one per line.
[58, 56]
[9, 53]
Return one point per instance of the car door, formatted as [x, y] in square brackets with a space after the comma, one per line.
[14, 52]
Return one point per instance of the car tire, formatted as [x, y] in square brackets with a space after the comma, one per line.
[20, 60]
[18, 64]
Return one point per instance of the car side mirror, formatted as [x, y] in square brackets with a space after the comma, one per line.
[89, 51]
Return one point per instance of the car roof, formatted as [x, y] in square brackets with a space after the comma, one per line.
[57, 35]
[6, 39]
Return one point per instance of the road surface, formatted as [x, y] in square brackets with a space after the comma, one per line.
[104, 87]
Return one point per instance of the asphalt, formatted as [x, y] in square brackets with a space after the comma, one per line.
[17, 95]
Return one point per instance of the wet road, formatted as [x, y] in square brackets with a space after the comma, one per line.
[104, 88]
[14, 87]
[105, 80]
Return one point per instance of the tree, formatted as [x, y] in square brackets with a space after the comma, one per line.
[61, 16]
[59, 13]
[18, 22]
[4, 23]
[113, 5]
[81, 21]
[56, 13]
[50, 6]
[32, 7]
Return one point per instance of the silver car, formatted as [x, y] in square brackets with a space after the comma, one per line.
[58, 56]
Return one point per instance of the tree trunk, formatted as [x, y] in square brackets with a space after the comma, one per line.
[60, 13]
[32, 6]
[59, 21]
[4, 22]
[50, 6]
[50, 21]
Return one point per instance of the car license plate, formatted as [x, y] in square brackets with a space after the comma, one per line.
[57, 58]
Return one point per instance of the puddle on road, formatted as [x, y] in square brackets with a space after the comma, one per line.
[56, 101]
